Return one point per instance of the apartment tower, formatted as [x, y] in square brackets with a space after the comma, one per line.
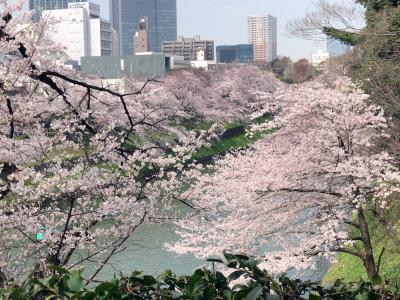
[263, 36]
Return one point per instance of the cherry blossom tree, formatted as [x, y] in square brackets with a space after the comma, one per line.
[299, 190]
[80, 165]
[224, 95]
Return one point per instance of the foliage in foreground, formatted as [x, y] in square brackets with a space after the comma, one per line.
[245, 281]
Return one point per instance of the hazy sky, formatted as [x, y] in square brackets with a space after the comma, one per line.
[225, 21]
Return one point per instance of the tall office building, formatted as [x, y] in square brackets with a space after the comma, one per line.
[162, 21]
[336, 47]
[263, 35]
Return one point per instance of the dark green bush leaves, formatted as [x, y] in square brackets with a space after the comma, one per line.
[204, 284]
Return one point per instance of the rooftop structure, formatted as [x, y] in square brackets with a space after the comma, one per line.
[188, 47]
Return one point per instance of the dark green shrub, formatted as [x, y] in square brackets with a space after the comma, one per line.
[203, 284]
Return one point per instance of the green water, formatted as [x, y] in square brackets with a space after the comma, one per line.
[145, 251]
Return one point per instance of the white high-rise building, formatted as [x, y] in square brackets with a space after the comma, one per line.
[101, 38]
[80, 30]
[263, 35]
[70, 28]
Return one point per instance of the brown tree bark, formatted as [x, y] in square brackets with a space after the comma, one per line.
[3, 279]
[368, 258]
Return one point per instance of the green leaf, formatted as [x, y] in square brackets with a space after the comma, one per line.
[88, 296]
[104, 288]
[149, 280]
[241, 293]
[373, 296]
[198, 288]
[238, 287]
[362, 296]
[168, 273]
[75, 282]
[314, 297]
[377, 280]
[217, 260]
[37, 288]
[235, 275]
[242, 256]
[276, 287]
[227, 294]
[198, 272]
[59, 269]
[255, 293]
[251, 264]
[229, 257]
[210, 293]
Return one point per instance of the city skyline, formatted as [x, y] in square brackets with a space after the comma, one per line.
[232, 28]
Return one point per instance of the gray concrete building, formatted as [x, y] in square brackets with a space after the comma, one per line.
[116, 67]
[188, 47]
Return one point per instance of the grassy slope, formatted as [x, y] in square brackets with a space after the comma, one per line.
[239, 141]
[224, 145]
[350, 268]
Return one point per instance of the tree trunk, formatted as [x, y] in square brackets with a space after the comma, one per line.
[3, 279]
[7, 170]
[368, 259]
